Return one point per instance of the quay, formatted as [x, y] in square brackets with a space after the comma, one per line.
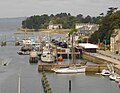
[102, 59]
[89, 68]
[99, 60]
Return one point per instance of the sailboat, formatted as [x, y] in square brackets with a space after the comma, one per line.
[71, 69]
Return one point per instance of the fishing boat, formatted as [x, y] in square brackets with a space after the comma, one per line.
[47, 56]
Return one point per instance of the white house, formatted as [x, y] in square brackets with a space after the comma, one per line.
[87, 26]
[54, 26]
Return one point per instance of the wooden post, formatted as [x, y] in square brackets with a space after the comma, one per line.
[69, 85]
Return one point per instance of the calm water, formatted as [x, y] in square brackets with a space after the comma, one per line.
[31, 78]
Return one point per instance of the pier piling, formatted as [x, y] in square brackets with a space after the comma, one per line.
[69, 85]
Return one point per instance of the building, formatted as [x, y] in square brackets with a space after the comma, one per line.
[115, 42]
[87, 47]
[54, 26]
[86, 29]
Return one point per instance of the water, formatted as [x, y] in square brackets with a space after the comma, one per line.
[31, 78]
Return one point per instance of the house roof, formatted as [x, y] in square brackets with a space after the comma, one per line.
[87, 45]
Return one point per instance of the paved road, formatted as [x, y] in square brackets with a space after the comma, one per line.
[109, 54]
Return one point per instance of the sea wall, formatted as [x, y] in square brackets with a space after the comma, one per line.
[93, 59]
[99, 61]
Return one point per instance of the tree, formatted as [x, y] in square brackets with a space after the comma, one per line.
[107, 25]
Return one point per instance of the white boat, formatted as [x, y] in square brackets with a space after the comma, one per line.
[113, 77]
[70, 70]
[105, 72]
[117, 79]
[6, 61]
[49, 58]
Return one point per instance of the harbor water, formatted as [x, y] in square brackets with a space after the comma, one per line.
[31, 78]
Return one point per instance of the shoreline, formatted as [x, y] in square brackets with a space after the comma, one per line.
[59, 31]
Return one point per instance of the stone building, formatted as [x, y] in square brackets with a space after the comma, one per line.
[54, 26]
[115, 42]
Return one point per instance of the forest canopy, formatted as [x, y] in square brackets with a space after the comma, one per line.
[66, 19]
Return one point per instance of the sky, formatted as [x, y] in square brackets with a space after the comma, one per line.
[26, 8]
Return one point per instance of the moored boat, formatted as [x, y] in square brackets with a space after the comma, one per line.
[70, 70]
[105, 72]
[112, 77]
[33, 57]
[48, 58]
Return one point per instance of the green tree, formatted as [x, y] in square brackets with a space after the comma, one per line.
[107, 24]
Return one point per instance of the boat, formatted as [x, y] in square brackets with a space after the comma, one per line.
[33, 57]
[117, 79]
[48, 58]
[23, 53]
[113, 77]
[70, 70]
[6, 61]
[47, 55]
[105, 72]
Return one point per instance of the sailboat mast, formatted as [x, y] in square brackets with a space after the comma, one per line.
[25, 32]
[73, 50]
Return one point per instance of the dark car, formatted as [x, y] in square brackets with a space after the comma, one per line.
[64, 45]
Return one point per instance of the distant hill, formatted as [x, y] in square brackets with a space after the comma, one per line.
[11, 23]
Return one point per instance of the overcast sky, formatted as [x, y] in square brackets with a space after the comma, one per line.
[22, 8]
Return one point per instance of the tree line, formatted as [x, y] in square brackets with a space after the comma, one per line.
[66, 19]
[107, 23]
